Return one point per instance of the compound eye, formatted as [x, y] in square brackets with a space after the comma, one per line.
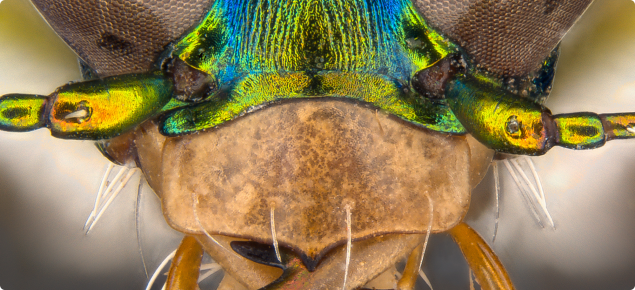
[494, 44]
[513, 127]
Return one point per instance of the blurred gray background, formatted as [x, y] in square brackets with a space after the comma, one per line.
[48, 186]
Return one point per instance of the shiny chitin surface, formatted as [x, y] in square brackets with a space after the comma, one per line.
[353, 49]
[107, 108]
[98, 109]
[20, 113]
[511, 124]
[626, 122]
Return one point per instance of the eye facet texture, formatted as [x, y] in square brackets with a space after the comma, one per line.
[121, 36]
[509, 38]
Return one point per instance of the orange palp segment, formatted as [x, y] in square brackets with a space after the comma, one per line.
[186, 265]
[411, 272]
[489, 271]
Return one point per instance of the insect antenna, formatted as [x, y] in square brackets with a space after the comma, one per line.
[348, 243]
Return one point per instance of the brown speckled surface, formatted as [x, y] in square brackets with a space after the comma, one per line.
[309, 159]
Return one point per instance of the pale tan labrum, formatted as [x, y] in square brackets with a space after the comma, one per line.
[308, 159]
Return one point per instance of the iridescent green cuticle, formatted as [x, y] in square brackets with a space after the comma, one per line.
[20, 113]
[241, 36]
[500, 120]
[173, 104]
[386, 95]
[580, 130]
[266, 88]
[512, 124]
[102, 109]
[354, 49]
[252, 91]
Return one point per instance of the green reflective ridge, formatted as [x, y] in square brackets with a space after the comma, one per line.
[173, 104]
[280, 49]
[20, 113]
[580, 130]
[265, 88]
[246, 36]
[246, 43]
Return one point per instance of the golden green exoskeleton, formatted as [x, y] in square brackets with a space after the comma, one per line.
[512, 124]
[314, 62]
[241, 57]
[97, 109]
